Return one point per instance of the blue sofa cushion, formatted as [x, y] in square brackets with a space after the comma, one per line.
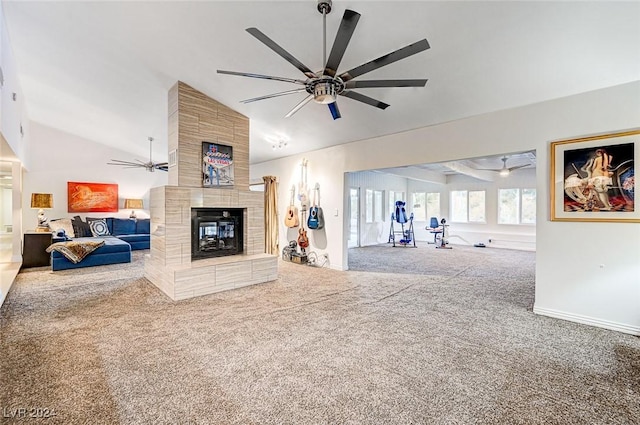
[143, 225]
[123, 226]
[133, 238]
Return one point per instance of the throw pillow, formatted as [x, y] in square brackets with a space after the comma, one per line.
[81, 228]
[63, 224]
[99, 227]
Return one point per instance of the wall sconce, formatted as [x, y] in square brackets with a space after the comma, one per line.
[42, 201]
[133, 204]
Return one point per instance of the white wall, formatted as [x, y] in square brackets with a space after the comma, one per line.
[569, 280]
[5, 208]
[12, 112]
[56, 158]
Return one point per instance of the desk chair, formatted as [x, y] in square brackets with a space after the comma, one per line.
[434, 227]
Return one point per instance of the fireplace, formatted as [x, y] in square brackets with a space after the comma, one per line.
[216, 232]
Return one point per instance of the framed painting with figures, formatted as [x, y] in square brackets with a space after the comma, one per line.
[217, 165]
[593, 178]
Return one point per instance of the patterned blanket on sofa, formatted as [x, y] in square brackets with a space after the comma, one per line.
[75, 251]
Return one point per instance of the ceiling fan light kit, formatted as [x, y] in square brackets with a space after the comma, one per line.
[325, 86]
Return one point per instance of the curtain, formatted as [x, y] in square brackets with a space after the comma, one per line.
[270, 215]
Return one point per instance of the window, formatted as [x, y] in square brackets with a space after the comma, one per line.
[528, 210]
[468, 206]
[516, 206]
[433, 205]
[368, 206]
[419, 206]
[378, 196]
[425, 205]
[476, 207]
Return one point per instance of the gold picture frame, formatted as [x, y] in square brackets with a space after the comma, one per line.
[593, 178]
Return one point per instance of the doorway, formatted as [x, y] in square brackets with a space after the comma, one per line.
[354, 217]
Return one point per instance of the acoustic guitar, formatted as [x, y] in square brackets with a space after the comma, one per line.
[291, 217]
[303, 240]
[316, 216]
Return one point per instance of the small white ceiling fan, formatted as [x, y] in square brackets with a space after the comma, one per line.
[149, 165]
[505, 171]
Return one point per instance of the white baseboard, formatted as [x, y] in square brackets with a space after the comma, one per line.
[586, 320]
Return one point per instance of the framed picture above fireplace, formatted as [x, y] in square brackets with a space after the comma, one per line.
[217, 165]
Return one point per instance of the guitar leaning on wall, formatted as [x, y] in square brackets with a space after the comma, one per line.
[316, 216]
[291, 217]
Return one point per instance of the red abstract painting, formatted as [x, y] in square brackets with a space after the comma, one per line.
[92, 197]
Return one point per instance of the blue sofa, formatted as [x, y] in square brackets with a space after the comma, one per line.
[125, 236]
[113, 251]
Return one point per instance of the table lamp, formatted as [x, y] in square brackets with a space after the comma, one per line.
[42, 201]
[133, 204]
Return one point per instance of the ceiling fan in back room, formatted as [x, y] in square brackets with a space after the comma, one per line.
[505, 171]
[149, 165]
[325, 85]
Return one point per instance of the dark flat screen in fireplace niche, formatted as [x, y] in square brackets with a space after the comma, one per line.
[216, 232]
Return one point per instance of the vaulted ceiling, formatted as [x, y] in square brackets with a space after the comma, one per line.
[102, 70]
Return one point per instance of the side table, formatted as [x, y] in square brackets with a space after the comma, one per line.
[34, 248]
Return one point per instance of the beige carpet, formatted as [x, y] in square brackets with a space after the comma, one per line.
[451, 344]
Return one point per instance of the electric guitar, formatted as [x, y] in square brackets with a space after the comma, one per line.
[303, 193]
[316, 216]
[291, 217]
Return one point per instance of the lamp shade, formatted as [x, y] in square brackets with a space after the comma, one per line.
[134, 204]
[41, 200]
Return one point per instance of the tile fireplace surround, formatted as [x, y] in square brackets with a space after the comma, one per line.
[194, 118]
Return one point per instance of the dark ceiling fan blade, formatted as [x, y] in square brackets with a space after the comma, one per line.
[264, 77]
[280, 51]
[387, 59]
[384, 83]
[335, 112]
[517, 167]
[269, 96]
[364, 99]
[347, 27]
[299, 106]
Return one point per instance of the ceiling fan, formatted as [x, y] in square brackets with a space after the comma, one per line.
[150, 165]
[325, 85]
[505, 171]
